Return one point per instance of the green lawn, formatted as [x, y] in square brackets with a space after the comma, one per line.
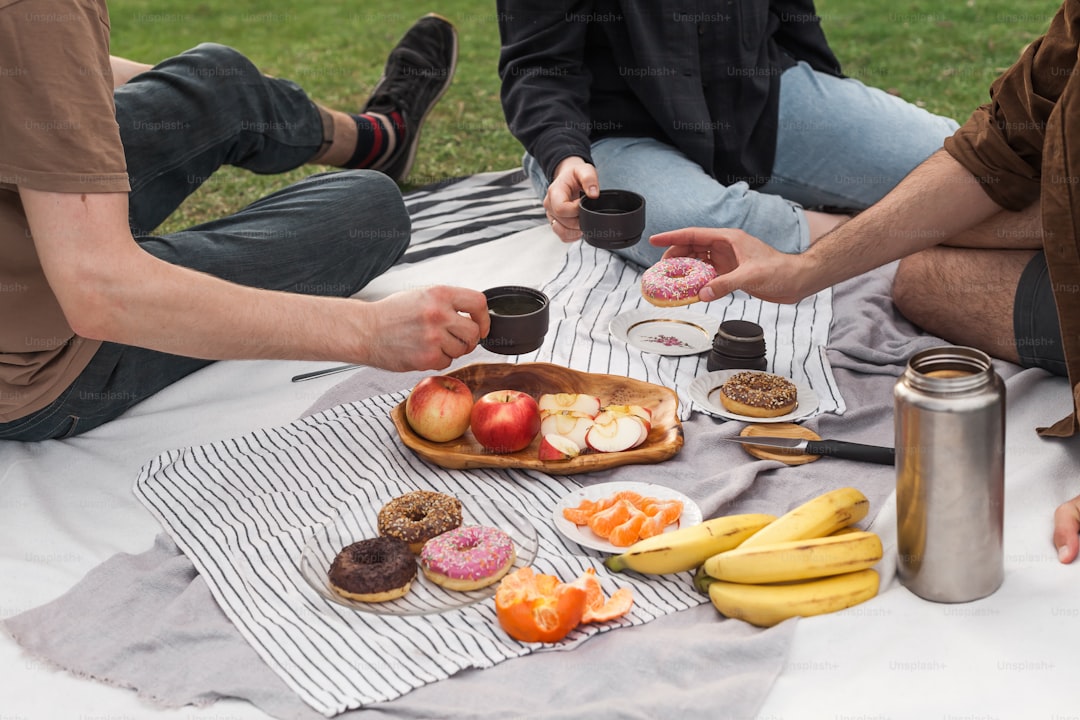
[942, 59]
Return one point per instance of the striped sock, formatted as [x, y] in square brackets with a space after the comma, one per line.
[377, 137]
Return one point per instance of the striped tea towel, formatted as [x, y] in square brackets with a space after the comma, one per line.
[243, 509]
[595, 286]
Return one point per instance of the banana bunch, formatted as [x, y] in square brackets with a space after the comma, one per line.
[688, 547]
[765, 569]
[807, 562]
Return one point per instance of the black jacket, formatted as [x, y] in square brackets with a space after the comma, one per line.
[702, 76]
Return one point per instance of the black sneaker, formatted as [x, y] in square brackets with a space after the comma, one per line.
[418, 72]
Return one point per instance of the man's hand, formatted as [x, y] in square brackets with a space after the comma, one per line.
[742, 262]
[1067, 530]
[572, 177]
[425, 329]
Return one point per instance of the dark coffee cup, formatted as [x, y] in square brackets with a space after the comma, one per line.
[612, 221]
[519, 319]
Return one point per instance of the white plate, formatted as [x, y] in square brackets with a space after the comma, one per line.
[705, 388]
[582, 535]
[665, 331]
[424, 597]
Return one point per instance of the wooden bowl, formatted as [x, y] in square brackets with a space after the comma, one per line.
[664, 441]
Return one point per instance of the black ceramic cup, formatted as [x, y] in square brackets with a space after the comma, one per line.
[612, 221]
[519, 319]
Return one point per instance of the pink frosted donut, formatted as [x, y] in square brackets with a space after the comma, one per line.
[676, 281]
[468, 557]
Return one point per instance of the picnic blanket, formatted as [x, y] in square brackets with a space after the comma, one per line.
[151, 621]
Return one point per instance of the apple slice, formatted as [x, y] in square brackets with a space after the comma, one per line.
[572, 425]
[570, 402]
[639, 410]
[556, 447]
[618, 433]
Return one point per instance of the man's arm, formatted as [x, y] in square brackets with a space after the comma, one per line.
[111, 289]
[937, 200]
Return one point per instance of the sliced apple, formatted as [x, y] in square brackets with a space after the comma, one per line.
[617, 433]
[569, 424]
[570, 402]
[639, 410]
[556, 447]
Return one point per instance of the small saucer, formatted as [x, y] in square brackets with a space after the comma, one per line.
[665, 331]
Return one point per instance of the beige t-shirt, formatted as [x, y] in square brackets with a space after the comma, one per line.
[58, 133]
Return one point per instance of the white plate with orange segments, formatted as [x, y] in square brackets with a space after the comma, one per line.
[582, 535]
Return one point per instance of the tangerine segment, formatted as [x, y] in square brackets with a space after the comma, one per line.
[577, 515]
[597, 607]
[627, 534]
[603, 522]
[653, 525]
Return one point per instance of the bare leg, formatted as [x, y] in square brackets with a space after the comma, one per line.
[964, 290]
[963, 296]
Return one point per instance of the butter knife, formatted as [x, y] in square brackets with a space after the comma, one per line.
[832, 448]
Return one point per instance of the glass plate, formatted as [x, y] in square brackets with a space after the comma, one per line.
[424, 597]
[704, 392]
[691, 513]
[665, 331]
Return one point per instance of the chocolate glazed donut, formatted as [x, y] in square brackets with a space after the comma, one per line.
[374, 570]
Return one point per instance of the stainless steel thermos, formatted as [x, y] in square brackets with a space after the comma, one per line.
[950, 474]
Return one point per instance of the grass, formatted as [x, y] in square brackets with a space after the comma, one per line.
[940, 56]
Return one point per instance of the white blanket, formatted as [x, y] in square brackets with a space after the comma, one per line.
[66, 507]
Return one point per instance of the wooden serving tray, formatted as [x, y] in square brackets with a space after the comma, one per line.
[665, 438]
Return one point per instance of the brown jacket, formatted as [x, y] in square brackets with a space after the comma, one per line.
[1018, 147]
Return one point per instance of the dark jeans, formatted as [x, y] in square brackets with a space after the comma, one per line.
[328, 234]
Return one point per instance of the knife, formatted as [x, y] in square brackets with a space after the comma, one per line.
[832, 448]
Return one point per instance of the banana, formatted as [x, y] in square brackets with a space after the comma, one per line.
[797, 559]
[819, 517]
[767, 605]
[688, 547]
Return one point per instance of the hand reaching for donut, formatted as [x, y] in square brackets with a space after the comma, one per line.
[573, 176]
[742, 262]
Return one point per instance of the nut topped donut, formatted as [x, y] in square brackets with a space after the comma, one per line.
[418, 516]
[676, 281]
[759, 394]
[374, 570]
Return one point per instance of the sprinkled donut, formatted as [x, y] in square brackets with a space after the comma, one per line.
[758, 394]
[418, 516]
[374, 570]
[676, 281]
[468, 558]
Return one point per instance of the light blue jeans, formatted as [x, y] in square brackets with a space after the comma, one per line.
[839, 143]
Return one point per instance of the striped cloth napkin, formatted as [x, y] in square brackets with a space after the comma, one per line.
[242, 510]
[595, 286]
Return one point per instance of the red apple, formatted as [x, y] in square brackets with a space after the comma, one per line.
[556, 447]
[505, 421]
[439, 408]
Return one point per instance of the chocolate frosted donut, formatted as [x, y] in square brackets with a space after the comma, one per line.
[418, 516]
[374, 570]
[759, 394]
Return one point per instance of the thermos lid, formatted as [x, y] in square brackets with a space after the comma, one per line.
[739, 338]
